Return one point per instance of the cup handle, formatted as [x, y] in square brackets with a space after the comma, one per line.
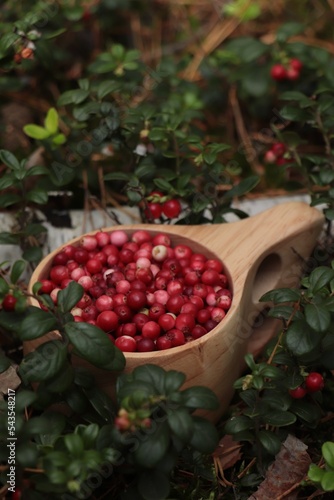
[280, 263]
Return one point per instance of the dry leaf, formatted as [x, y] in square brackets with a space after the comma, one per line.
[289, 468]
[8, 379]
[227, 452]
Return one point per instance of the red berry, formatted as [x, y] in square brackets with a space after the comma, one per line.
[9, 302]
[270, 156]
[297, 393]
[126, 343]
[153, 210]
[314, 382]
[292, 74]
[296, 64]
[107, 321]
[47, 287]
[58, 274]
[278, 72]
[278, 148]
[171, 208]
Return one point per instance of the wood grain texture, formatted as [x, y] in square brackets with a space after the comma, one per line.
[260, 253]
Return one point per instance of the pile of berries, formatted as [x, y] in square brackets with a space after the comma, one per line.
[276, 154]
[291, 71]
[141, 290]
[158, 205]
[313, 382]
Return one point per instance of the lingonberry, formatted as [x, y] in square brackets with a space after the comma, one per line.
[153, 210]
[171, 208]
[9, 302]
[270, 157]
[298, 392]
[278, 72]
[278, 148]
[146, 345]
[58, 274]
[107, 321]
[314, 382]
[126, 343]
[296, 64]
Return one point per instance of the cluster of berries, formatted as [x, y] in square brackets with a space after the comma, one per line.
[142, 290]
[126, 421]
[158, 204]
[276, 154]
[313, 382]
[291, 71]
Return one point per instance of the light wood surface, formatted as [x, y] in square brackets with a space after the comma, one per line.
[260, 253]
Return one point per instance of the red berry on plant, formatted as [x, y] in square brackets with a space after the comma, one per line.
[298, 392]
[270, 156]
[278, 148]
[278, 72]
[9, 302]
[171, 208]
[314, 382]
[153, 210]
[296, 64]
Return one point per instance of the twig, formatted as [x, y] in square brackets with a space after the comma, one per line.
[246, 469]
[248, 147]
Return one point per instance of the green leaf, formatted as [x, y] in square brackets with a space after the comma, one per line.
[68, 297]
[9, 238]
[144, 169]
[72, 97]
[106, 87]
[36, 170]
[81, 113]
[23, 399]
[238, 424]
[305, 410]
[270, 442]
[7, 41]
[51, 121]
[181, 424]
[44, 362]
[289, 29]
[36, 324]
[152, 446]
[200, 397]
[327, 481]
[152, 374]
[256, 81]
[243, 187]
[9, 159]
[317, 317]
[279, 418]
[4, 287]
[61, 381]
[294, 114]
[328, 453]
[315, 473]
[173, 381]
[320, 277]
[8, 199]
[88, 434]
[59, 139]
[153, 484]
[101, 403]
[301, 339]
[163, 185]
[91, 343]
[11, 321]
[7, 180]
[205, 436]
[36, 131]
[281, 312]
[33, 254]
[38, 195]
[74, 444]
[17, 269]
[117, 176]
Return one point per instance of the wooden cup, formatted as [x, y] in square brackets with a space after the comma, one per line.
[261, 253]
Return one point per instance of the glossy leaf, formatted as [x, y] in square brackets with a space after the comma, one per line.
[238, 424]
[270, 442]
[44, 362]
[205, 436]
[328, 453]
[17, 270]
[68, 297]
[173, 381]
[91, 343]
[320, 277]
[301, 339]
[279, 418]
[181, 424]
[152, 446]
[36, 324]
[36, 132]
[281, 295]
[51, 121]
[318, 317]
[9, 159]
[200, 397]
